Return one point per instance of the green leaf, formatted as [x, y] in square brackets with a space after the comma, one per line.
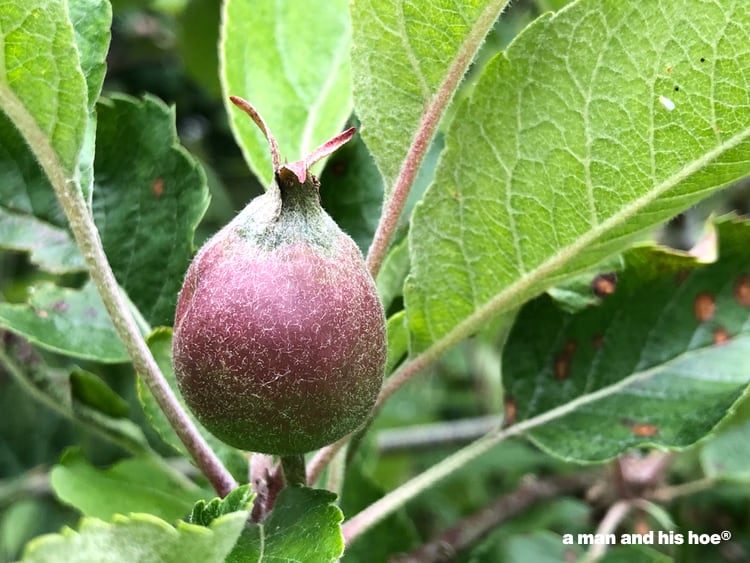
[91, 390]
[204, 513]
[407, 60]
[68, 321]
[290, 60]
[564, 153]
[303, 526]
[139, 484]
[159, 185]
[42, 88]
[50, 248]
[727, 455]
[160, 343]
[659, 363]
[139, 537]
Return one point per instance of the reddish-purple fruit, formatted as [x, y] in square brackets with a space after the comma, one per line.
[279, 337]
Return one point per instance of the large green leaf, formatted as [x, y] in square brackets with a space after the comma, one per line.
[139, 537]
[68, 321]
[291, 61]
[303, 526]
[659, 363]
[42, 88]
[570, 146]
[148, 205]
[407, 60]
[139, 484]
[160, 343]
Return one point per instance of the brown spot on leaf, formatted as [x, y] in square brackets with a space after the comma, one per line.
[704, 307]
[158, 187]
[564, 359]
[721, 336]
[456, 195]
[669, 69]
[596, 341]
[511, 411]
[742, 290]
[60, 306]
[604, 284]
[562, 368]
[644, 430]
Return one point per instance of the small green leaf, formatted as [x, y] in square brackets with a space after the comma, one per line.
[148, 205]
[51, 248]
[42, 88]
[407, 60]
[68, 321]
[160, 343]
[727, 455]
[139, 484]
[659, 363]
[204, 513]
[91, 390]
[303, 526]
[564, 153]
[291, 61]
[139, 537]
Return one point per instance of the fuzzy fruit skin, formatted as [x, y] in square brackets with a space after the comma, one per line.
[279, 343]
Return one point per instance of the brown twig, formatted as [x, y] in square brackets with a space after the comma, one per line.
[467, 532]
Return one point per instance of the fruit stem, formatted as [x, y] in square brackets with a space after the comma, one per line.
[294, 469]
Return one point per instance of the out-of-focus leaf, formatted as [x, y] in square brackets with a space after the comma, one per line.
[291, 61]
[50, 247]
[139, 484]
[198, 37]
[578, 138]
[727, 455]
[304, 525]
[160, 343]
[91, 390]
[659, 363]
[148, 205]
[351, 191]
[68, 321]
